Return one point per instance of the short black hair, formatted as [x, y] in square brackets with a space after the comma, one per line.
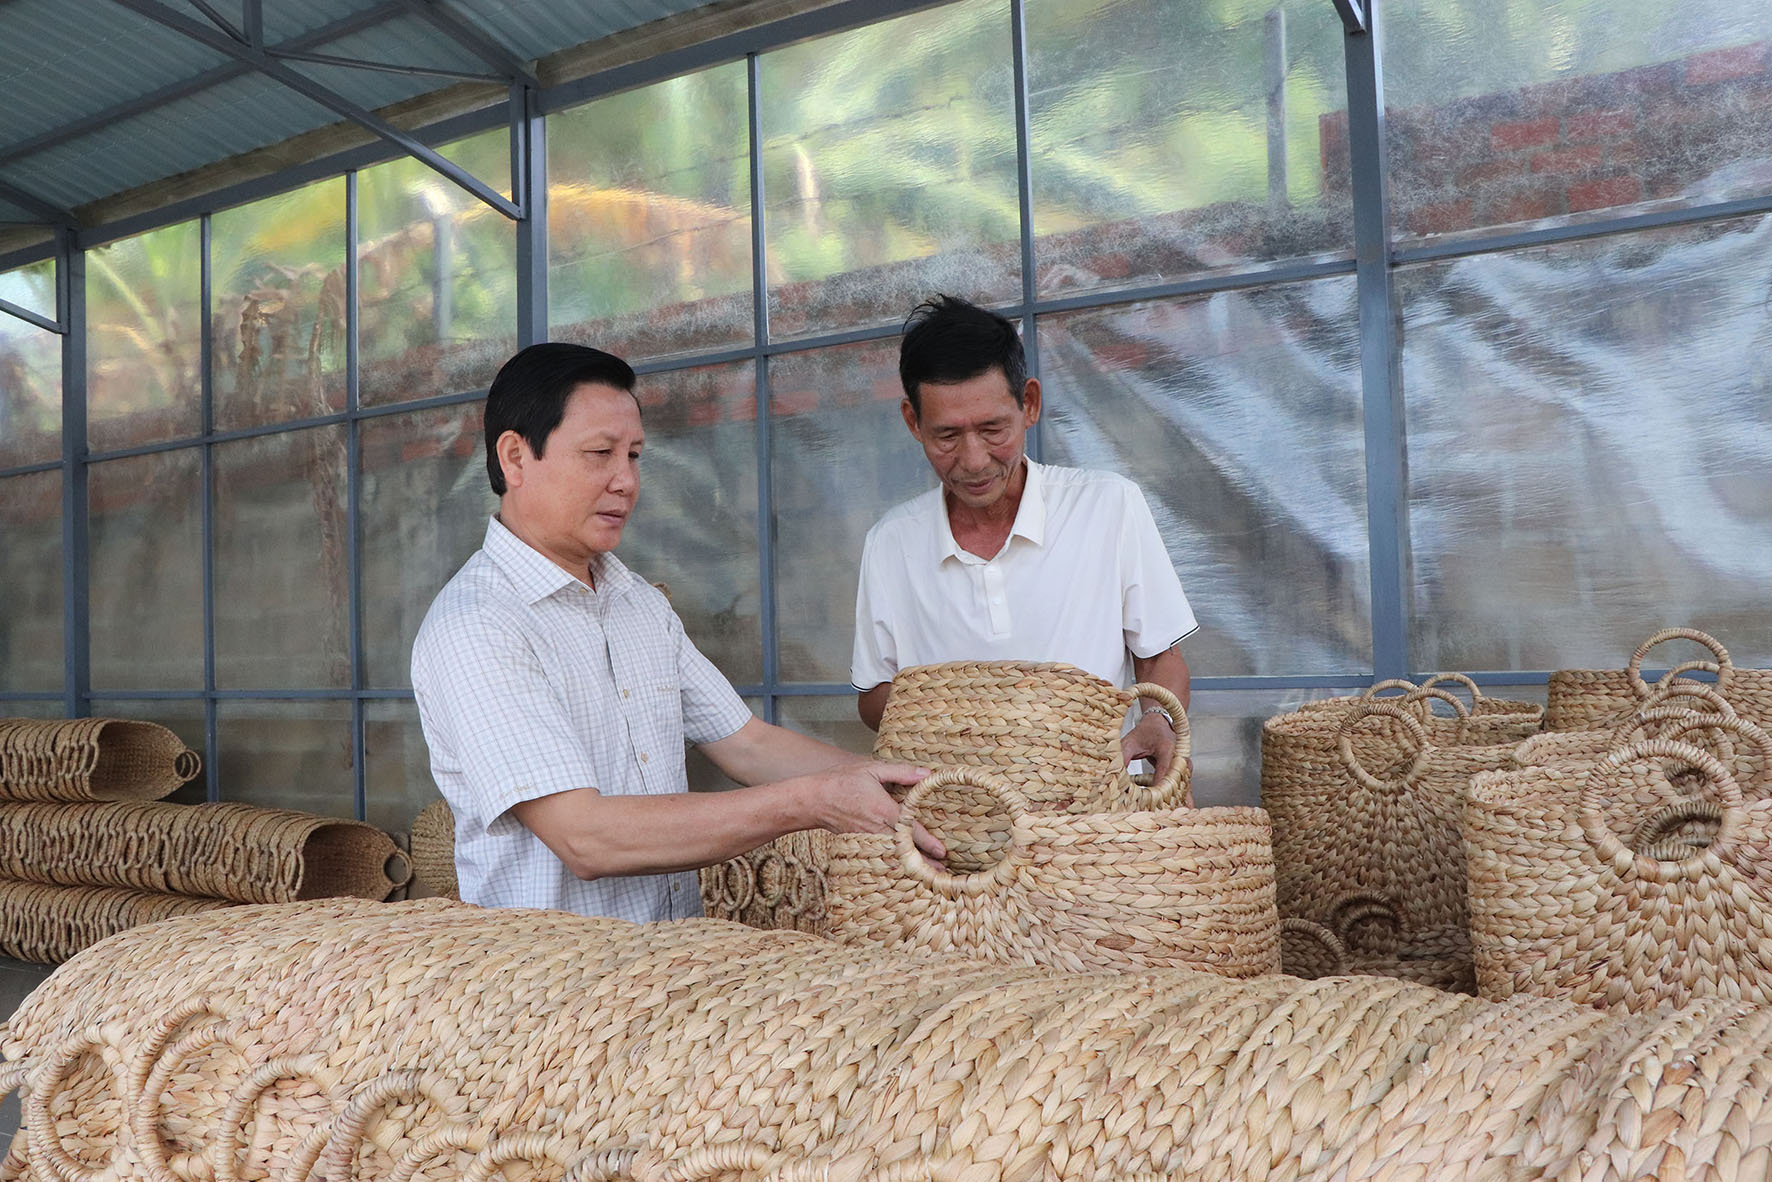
[529, 394]
[948, 340]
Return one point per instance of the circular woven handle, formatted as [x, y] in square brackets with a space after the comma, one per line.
[1598, 791]
[1328, 944]
[1756, 736]
[1394, 683]
[1669, 693]
[186, 764]
[955, 885]
[707, 1161]
[1355, 908]
[46, 1144]
[1470, 686]
[1344, 743]
[1660, 825]
[1722, 666]
[1165, 791]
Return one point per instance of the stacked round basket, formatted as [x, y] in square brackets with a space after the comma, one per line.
[87, 847]
[1056, 855]
[433, 1040]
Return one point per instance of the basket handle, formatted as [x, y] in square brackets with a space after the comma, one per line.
[1318, 934]
[1354, 908]
[1598, 790]
[1722, 666]
[955, 885]
[1166, 791]
[1469, 684]
[1344, 743]
[1659, 826]
[1756, 736]
[1708, 700]
[711, 1160]
[1394, 683]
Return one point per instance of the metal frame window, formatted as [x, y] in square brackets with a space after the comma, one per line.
[1373, 261]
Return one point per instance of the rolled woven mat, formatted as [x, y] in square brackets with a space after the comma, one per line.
[1483, 722]
[430, 1039]
[50, 924]
[780, 884]
[220, 851]
[1588, 699]
[1177, 888]
[1562, 906]
[1361, 799]
[433, 849]
[91, 759]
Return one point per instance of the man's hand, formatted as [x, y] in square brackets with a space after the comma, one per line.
[1153, 739]
[855, 800]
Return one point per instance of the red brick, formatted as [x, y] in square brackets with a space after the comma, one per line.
[1523, 207]
[420, 449]
[1618, 190]
[465, 445]
[1511, 137]
[1491, 171]
[1605, 125]
[793, 402]
[1443, 218]
[1625, 155]
[1111, 266]
[1570, 160]
[1721, 64]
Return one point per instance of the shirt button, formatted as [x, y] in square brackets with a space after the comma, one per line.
[624, 693]
[642, 757]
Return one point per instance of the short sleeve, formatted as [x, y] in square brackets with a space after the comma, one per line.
[1154, 610]
[712, 709]
[875, 657]
[487, 707]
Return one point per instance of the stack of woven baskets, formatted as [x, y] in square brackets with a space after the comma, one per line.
[87, 847]
[434, 1040]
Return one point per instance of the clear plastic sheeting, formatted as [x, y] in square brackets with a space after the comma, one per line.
[1238, 414]
[146, 572]
[1590, 438]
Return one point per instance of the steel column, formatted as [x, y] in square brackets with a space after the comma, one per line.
[1024, 177]
[76, 536]
[529, 184]
[766, 607]
[1387, 471]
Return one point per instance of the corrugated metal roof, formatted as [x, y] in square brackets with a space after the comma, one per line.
[97, 99]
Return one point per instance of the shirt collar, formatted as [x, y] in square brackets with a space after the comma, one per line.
[536, 576]
[1030, 515]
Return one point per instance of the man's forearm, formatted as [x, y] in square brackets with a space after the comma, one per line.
[759, 753]
[599, 836]
[1166, 669]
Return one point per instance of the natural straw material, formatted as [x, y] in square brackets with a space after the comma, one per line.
[1362, 800]
[432, 1040]
[1666, 708]
[51, 924]
[780, 884]
[1051, 730]
[91, 759]
[1561, 906]
[1483, 722]
[1591, 699]
[433, 850]
[1187, 888]
[222, 851]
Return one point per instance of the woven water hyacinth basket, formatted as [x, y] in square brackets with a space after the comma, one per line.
[1362, 800]
[1741, 747]
[431, 1040]
[1176, 888]
[1562, 906]
[1593, 699]
[1667, 707]
[1483, 722]
[1373, 947]
[91, 759]
[780, 884]
[221, 851]
[433, 850]
[1051, 730]
[51, 924]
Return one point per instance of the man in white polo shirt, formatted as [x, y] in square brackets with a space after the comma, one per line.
[1008, 559]
[557, 689]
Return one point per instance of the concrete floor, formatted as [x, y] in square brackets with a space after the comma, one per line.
[17, 979]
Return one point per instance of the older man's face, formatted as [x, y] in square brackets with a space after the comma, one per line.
[974, 434]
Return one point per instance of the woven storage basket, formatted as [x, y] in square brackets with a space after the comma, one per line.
[220, 851]
[1190, 888]
[1561, 906]
[1741, 747]
[433, 850]
[1441, 959]
[1484, 721]
[1667, 706]
[50, 924]
[1362, 800]
[91, 759]
[1051, 730]
[1591, 699]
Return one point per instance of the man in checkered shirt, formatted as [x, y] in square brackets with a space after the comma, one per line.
[557, 689]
